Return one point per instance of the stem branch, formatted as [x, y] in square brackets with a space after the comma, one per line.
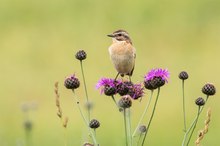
[143, 114]
[84, 81]
[184, 111]
[152, 115]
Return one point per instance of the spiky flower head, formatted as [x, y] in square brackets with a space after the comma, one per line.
[209, 89]
[200, 101]
[136, 91]
[157, 82]
[107, 85]
[123, 88]
[109, 90]
[71, 82]
[148, 85]
[156, 78]
[81, 55]
[94, 124]
[142, 129]
[183, 75]
[158, 72]
[125, 101]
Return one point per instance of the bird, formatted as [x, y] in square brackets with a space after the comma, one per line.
[122, 53]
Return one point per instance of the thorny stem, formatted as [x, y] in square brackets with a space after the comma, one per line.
[152, 115]
[197, 117]
[191, 126]
[85, 121]
[184, 111]
[143, 115]
[84, 81]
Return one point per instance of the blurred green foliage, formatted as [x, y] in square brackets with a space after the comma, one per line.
[38, 40]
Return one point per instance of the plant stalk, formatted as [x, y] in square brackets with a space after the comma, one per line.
[143, 114]
[152, 115]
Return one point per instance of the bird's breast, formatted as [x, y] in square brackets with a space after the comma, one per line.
[122, 56]
[121, 48]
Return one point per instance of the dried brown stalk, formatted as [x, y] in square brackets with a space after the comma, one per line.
[205, 129]
[59, 110]
[65, 122]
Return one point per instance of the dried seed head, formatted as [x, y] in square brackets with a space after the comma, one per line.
[94, 124]
[71, 82]
[125, 102]
[183, 75]
[209, 89]
[80, 55]
[200, 101]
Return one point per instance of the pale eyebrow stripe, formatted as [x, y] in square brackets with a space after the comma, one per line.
[124, 33]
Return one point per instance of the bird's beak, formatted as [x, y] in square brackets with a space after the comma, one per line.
[110, 35]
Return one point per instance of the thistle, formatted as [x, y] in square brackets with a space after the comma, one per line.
[183, 76]
[157, 78]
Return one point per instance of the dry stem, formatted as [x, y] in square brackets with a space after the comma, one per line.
[205, 129]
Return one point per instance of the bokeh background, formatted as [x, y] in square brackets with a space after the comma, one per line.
[38, 41]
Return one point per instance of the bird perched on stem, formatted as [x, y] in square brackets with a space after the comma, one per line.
[122, 53]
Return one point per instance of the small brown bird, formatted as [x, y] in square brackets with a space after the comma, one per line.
[122, 53]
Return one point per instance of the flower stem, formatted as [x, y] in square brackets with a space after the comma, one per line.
[129, 126]
[184, 111]
[95, 132]
[85, 121]
[65, 137]
[197, 117]
[191, 126]
[125, 123]
[152, 115]
[84, 81]
[113, 98]
[143, 114]
[28, 138]
[139, 139]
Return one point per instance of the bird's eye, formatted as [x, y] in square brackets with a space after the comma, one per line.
[119, 34]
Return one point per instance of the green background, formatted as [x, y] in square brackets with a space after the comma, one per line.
[38, 41]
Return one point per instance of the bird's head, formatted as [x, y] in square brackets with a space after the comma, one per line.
[120, 35]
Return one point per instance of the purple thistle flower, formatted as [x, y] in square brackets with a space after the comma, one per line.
[106, 82]
[136, 91]
[158, 72]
